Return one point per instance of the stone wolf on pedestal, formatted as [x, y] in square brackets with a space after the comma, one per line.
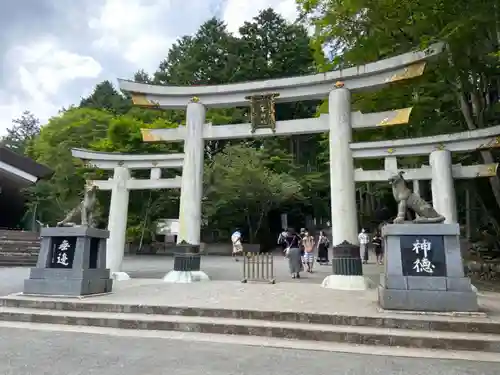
[85, 210]
[408, 199]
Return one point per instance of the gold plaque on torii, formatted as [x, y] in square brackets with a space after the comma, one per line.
[262, 112]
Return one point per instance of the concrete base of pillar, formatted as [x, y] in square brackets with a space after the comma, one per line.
[185, 277]
[344, 282]
[120, 276]
[427, 300]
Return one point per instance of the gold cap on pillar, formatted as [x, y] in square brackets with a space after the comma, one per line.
[339, 84]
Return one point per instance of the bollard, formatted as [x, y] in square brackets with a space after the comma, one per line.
[258, 267]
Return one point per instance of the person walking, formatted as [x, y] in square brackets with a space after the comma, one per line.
[237, 245]
[308, 244]
[282, 239]
[364, 240]
[323, 246]
[377, 244]
[293, 253]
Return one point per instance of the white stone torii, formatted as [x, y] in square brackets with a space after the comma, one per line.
[120, 186]
[339, 123]
[441, 172]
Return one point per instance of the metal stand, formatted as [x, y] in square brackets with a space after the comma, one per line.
[258, 267]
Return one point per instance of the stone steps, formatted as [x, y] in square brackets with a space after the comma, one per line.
[445, 323]
[18, 261]
[444, 333]
[18, 248]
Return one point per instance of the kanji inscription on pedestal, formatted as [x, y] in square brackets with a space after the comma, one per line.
[423, 256]
[63, 252]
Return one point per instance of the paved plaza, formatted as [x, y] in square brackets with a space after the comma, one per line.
[34, 348]
[219, 268]
[30, 352]
[226, 290]
[224, 268]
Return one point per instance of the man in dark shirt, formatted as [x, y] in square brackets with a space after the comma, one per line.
[377, 244]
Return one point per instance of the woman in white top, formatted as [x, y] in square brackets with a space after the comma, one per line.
[364, 240]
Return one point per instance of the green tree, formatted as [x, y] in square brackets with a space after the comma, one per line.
[20, 136]
[142, 77]
[77, 127]
[241, 188]
[458, 92]
[106, 97]
[209, 57]
[273, 48]
[98, 130]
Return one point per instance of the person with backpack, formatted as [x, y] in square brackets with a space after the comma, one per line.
[292, 253]
[282, 239]
[237, 245]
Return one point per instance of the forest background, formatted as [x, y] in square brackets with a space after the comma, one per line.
[458, 92]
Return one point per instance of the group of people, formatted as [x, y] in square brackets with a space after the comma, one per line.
[376, 241]
[299, 250]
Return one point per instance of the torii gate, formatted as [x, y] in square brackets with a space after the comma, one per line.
[120, 186]
[339, 122]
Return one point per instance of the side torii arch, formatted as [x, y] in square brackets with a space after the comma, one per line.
[120, 185]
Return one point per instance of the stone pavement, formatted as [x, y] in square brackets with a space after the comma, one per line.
[292, 296]
[219, 268]
[31, 352]
[225, 268]
[300, 310]
[226, 291]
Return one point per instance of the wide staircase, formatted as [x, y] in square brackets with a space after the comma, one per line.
[18, 248]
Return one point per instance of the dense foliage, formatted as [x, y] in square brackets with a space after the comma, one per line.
[249, 181]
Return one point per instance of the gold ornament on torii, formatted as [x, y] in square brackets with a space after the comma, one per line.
[262, 111]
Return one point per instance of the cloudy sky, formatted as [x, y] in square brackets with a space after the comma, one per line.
[53, 52]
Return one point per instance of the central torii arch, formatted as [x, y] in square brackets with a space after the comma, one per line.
[336, 85]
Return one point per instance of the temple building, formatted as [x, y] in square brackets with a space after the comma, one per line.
[17, 172]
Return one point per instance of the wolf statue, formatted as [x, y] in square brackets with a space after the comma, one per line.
[407, 199]
[85, 209]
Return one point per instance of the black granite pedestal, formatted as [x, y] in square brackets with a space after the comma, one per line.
[424, 270]
[346, 260]
[187, 264]
[71, 262]
[187, 258]
[347, 269]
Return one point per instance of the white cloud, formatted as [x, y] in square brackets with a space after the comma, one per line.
[133, 28]
[39, 70]
[51, 66]
[236, 12]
